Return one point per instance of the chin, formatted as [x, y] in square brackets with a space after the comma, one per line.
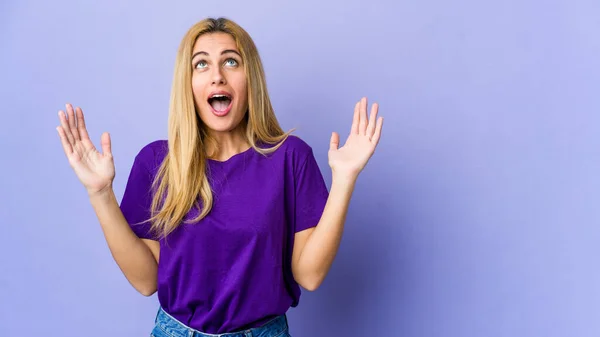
[219, 129]
[222, 125]
[225, 123]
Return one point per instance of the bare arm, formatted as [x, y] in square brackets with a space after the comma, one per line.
[137, 258]
[315, 249]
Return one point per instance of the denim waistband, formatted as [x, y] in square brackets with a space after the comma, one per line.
[175, 328]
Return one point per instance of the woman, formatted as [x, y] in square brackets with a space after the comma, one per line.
[230, 215]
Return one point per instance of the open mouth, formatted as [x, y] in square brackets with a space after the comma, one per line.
[220, 102]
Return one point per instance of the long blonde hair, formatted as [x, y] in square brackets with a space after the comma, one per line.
[182, 176]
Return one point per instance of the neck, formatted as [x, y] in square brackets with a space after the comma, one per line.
[227, 144]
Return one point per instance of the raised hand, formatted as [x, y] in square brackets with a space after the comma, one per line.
[349, 160]
[95, 170]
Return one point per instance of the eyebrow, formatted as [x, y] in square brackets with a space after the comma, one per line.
[223, 52]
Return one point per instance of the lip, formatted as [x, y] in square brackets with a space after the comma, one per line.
[220, 92]
[224, 112]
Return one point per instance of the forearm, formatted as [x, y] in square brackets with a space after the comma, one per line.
[132, 255]
[321, 247]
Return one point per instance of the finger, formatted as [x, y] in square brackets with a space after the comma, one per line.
[81, 124]
[65, 126]
[377, 134]
[65, 142]
[334, 142]
[362, 125]
[72, 125]
[355, 120]
[105, 142]
[372, 120]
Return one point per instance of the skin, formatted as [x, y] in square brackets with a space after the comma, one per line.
[216, 66]
[315, 248]
[137, 258]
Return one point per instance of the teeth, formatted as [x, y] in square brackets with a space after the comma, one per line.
[219, 96]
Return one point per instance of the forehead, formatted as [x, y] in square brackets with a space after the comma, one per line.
[214, 43]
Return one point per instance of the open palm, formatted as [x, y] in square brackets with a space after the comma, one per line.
[95, 170]
[364, 136]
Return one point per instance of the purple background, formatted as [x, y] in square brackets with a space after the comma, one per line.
[478, 215]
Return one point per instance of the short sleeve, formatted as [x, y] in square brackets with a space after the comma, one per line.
[137, 197]
[311, 193]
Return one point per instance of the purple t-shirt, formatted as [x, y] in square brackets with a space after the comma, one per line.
[232, 270]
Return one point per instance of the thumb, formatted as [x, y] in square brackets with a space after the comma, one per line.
[334, 142]
[105, 142]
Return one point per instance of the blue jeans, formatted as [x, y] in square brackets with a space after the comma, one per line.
[168, 326]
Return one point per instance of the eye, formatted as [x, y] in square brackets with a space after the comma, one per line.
[201, 64]
[231, 62]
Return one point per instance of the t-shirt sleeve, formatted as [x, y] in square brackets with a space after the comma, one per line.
[311, 193]
[137, 197]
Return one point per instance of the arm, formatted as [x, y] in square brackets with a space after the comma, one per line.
[315, 248]
[96, 171]
[137, 258]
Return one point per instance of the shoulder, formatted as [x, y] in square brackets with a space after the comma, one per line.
[296, 146]
[295, 152]
[153, 153]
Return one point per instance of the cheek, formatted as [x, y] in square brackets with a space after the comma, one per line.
[197, 85]
[242, 90]
[197, 90]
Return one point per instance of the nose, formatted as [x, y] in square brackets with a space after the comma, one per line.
[217, 76]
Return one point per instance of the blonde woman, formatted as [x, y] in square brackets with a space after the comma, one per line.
[230, 216]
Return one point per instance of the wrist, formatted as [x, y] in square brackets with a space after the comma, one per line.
[344, 179]
[102, 195]
[344, 176]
